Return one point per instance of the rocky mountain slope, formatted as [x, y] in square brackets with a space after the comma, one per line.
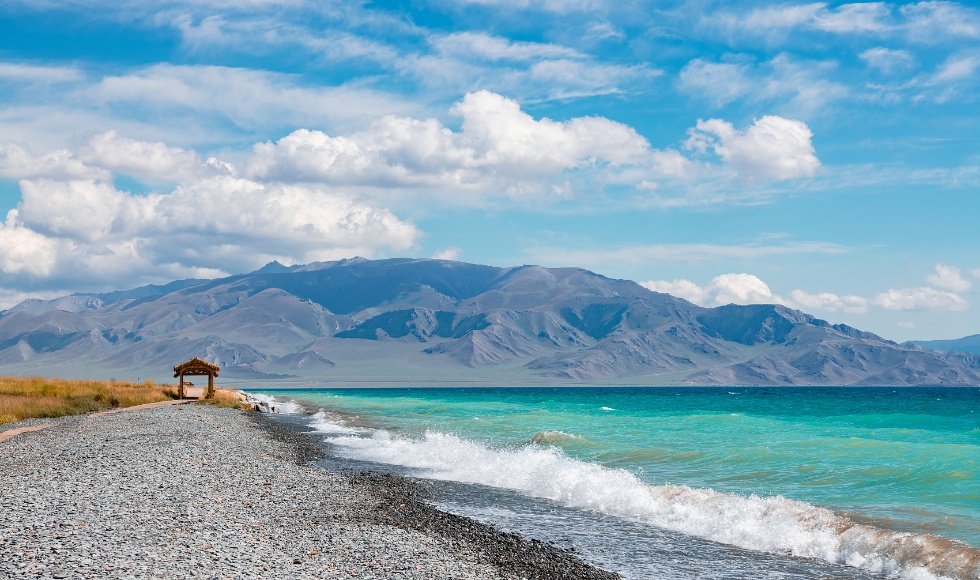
[406, 321]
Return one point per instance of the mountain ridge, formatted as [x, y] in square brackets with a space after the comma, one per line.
[427, 321]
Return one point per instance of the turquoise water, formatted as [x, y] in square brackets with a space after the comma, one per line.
[753, 467]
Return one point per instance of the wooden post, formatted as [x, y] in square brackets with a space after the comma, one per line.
[210, 385]
[180, 389]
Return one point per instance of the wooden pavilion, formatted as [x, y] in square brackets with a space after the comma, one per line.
[196, 366]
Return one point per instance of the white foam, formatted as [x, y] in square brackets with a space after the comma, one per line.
[275, 405]
[607, 408]
[770, 524]
[321, 422]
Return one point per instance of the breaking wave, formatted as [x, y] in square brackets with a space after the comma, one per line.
[275, 405]
[770, 524]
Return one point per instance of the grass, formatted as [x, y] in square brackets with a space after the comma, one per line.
[225, 398]
[23, 398]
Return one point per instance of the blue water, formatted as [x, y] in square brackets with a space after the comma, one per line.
[885, 479]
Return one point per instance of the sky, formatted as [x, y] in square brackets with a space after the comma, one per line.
[824, 156]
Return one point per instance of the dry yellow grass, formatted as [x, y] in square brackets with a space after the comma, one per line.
[22, 398]
[226, 398]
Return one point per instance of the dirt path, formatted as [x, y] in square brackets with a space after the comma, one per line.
[14, 432]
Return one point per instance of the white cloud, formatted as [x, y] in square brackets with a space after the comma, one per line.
[153, 161]
[948, 278]
[773, 148]
[14, 72]
[559, 6]
[451, 253]
[935, 22]
[920, 299]
[956, 68]
[248, 98]
[23, 251]
[485, 46]
[887, 60]
[929, 21]
[574, 78]
[848, 18]
[498, 145]
[798, 87]
[774, 17]
[828, 301]
[604, 31]
[719, 82]
[85, 233]
[721, 290]
[678, 287]
[18, 162]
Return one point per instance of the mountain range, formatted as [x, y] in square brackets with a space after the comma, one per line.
[966, 344]
[438, 322]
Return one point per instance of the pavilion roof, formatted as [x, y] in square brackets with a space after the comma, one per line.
[196, 366]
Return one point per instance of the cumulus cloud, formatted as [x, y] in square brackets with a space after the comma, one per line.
[145, 160]
[749, 289]
[828, 301]
[948, 278]
[451, 253]
[721, 290]
[18, 162]
[24, 251]
[498, 144]
[923, 298]
[772, 148]
[81, 231]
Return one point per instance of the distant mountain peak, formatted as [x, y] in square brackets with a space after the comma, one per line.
[273, 267]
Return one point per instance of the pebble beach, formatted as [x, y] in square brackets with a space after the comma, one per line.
[191, 490]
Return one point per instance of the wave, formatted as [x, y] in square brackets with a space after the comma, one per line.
[557, 438]
[275, 405]
[770, 524]
[327, 423]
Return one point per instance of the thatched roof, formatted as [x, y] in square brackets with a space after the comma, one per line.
[196, 366]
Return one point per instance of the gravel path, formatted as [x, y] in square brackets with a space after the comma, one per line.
[194, 490]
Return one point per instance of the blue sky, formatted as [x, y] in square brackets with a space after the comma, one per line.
[820, 155]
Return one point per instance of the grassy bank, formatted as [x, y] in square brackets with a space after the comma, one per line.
[23, 398]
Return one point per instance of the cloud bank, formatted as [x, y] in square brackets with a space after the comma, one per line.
[315, 196]
[743, 288]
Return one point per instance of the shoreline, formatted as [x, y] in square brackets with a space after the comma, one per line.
[192, 489]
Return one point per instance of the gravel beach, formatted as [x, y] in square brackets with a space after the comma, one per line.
[193, 490]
